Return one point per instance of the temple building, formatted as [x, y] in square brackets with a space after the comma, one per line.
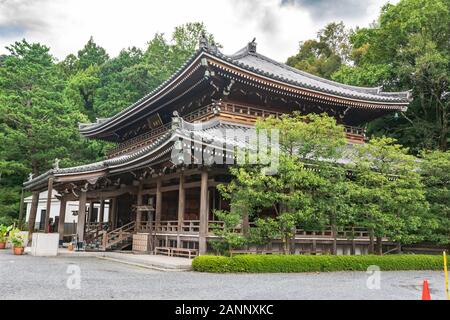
[163, 203]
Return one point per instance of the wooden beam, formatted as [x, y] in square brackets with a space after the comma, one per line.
[203, 230]
[81, 216]
[189, 185]
[112, 193]
[33, 212]
[62, 219]
[49, 205]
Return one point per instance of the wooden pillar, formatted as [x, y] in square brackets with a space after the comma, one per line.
[102, 211]
[203, 213]
[181, 208]
[49, 205]
[90, 212]
[81, 216]
[112, 213]
[245, 223]
[139, 203]
[158, 201]
[33, 212]
[62, 218]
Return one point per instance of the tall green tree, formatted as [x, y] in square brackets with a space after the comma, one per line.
[435, 172]
[36, 125]
[301, 191]
[122, 81]
[388, 192]
[326, 54]
[83, 72]
[408, 48]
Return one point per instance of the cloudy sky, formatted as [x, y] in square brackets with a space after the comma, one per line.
[278, 25]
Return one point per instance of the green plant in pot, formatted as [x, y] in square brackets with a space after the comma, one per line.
[4, 230]
[17, 240]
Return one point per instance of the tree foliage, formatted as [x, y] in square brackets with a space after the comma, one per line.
[42, 101]
[325, 55]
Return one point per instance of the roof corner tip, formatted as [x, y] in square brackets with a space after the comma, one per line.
[203, 43]
[251, 46]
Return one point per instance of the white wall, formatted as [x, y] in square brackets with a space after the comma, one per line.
[54, 211]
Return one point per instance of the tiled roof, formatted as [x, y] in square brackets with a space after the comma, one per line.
[207, 131]
[264, 66]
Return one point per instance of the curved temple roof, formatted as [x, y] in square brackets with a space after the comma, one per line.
[248, 60]
[211, 131]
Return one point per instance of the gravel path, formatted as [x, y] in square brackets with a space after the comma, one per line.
[27, 277]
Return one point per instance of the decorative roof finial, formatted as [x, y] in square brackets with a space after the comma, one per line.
[56, 164]
[176, 120]
[251, 47]
[30, 176]
[203, 41]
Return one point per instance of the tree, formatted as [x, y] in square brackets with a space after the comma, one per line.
[91, 55]
[408, 48]
[388, 193]
[36, 126]
[309, 146]
[325, 55]
[162, 58]
[122, 81]
[435, 172]
[83, 74]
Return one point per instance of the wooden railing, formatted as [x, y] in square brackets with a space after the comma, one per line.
[118, 236]
[227, 111]
[187, 226]
[94, 230]
[347, 233]
[193, 227]
[139, 141]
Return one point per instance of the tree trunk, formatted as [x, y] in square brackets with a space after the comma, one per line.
[399, 247]
[380, 246]
[371, 242]
[353, 248]
[444, 131]
[334, 234]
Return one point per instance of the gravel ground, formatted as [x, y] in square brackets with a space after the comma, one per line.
[27, 277]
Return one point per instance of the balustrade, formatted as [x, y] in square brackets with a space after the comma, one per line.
[231, 111]
[193, 227]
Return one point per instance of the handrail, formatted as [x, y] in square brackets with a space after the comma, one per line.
[117, 235]
[193, 227]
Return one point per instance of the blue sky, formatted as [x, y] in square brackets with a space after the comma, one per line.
[278, 25]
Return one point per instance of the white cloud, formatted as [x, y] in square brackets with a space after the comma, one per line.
[66, 25]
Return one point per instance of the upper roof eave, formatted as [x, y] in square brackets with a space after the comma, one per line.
[370, 95]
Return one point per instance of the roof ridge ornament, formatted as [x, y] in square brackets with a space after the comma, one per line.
[203, 41]
[251, 46]
[56, 164]
[176, 120]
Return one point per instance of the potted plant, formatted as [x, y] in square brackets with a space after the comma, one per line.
[4, 230]
[17, 240]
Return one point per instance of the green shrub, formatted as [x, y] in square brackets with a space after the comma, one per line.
[304, 263]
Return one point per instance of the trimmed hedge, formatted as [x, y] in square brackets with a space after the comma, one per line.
[304, 263]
